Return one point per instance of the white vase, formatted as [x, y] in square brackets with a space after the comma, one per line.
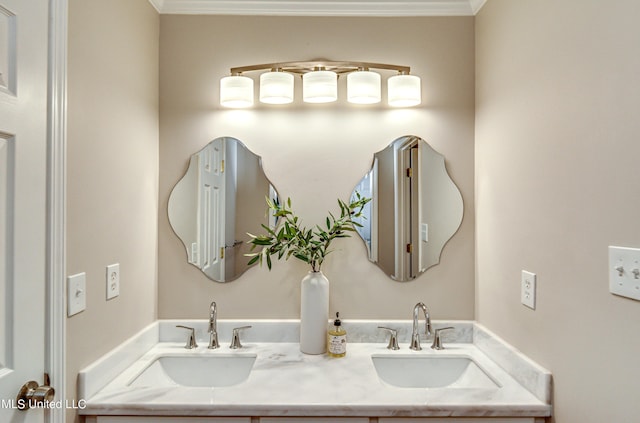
[314, 313]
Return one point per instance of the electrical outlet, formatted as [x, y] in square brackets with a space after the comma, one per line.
[113, 280]
[76, 293]
[624, 272]
[528, 289]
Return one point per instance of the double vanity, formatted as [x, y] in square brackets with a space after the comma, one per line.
[253, 371]
[476, 377]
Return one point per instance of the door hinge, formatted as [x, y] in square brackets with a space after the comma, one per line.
[221, 252]
[222, 167]
[409, 248]
[409, 172]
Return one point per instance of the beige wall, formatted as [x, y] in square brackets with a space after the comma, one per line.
[557, 183]
[112, 171]
[316, 153]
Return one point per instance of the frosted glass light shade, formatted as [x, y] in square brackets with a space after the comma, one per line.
[404, 91]
[320, 87]
[363, 87]
[236, 91]
[276, 88]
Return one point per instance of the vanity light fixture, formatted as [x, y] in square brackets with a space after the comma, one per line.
[236, 91]
[404, 90]
[363, 87]
[320, 86]
[276, 87]
[320, 83]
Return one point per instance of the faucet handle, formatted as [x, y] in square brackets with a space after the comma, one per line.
[437, 339]
[191, 341]
[393, 339]
[235, 338]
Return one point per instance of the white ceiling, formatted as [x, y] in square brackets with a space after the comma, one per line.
[321, 7]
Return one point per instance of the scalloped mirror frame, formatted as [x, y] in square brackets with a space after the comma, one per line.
[220, 198]
[409, 186]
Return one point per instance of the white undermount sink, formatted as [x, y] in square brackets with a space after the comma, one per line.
[196, 371]
[431, 371]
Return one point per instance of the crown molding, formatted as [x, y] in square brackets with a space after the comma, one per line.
[476, 5]
[320, 7]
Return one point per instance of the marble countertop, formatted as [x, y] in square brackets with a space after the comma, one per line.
[284, 381]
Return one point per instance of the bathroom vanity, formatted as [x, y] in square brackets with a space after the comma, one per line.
[153, 377]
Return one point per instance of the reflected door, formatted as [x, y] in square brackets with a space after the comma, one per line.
[211, 213]
[23, 164]
[409, 212]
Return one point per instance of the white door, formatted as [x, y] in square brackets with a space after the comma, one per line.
[23, 167]
[211, 206]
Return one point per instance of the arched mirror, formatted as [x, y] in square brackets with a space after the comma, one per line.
[415, 208]
[220, 198]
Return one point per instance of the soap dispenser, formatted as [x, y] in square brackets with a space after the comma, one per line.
[337, 339]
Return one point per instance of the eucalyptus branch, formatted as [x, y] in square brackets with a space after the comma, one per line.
[308, 245]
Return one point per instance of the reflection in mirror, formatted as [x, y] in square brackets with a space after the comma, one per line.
[220, 198]
[415, 208]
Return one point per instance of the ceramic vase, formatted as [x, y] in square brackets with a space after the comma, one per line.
[314, 313]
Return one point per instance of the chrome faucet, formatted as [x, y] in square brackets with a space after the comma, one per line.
[213, 326]
[415, 336]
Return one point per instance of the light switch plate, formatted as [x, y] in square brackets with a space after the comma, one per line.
[113, 280]
[528, 289]
[76, 293]
[424, 232]
[624, 271]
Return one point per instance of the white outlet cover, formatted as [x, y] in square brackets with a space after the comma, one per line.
[528, 289]
[76, 293]
[624, 272]
[113, 280]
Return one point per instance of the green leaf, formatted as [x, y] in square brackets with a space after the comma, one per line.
[302, 257]
[262, 240]
[268, 229]
[253, 260]
[342, 206]
[270, 203]
[269, 261]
